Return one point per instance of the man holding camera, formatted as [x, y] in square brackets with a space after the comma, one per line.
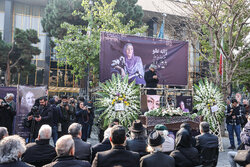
[233, 116]
[39, 115]
[64, 109]
[6, 115]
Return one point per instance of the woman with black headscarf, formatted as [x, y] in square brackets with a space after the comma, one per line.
[184, 154]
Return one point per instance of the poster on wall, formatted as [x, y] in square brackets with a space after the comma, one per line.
[185, 103]
[132, 55]
[151, 102]
[25, 101]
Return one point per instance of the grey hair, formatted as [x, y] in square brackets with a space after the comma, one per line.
[45, 132]
[64, 144]
[10, 148]
[3, 132]
[8, 95]
[74, 129]
[55, 97]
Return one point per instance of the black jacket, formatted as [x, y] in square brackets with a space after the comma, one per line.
[100, 147]
[68, 161]
[184, 154]
[6, 117]
[138, 146]
[16, 164]
[82, 149]
[115, 157]
[236, 112]
[157, 159]
[150, 81]
[208, 147]
[39, 153]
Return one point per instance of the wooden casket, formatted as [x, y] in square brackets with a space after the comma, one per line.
[172, 123]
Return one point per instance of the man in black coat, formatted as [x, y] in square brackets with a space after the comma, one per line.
[41, 116]
[6, 115]
[233, 116]
[65, 150]
[82, 149]
[137, 141]
[41, 152]
[157, 158]
[151, 79]
[207, 145]
[118, 155]
[104, 145]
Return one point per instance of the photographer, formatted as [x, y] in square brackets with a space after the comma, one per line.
[233, 116]
[82, 117]
[6, 115]
[72, 109]
[64, 111]
[39, 115]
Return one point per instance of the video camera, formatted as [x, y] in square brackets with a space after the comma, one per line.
[35, 111]
[4, 105]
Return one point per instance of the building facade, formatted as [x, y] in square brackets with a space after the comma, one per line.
[27, 14]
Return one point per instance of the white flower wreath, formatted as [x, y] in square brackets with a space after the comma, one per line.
[208, 95]
[114, 91]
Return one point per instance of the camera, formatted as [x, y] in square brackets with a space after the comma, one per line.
[65, 104]
[35, 111]
[88, 106]
[72, 102]
[4, 104]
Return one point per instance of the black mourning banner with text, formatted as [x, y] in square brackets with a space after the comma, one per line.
[132, 55]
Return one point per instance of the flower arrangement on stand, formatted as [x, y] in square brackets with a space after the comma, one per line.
[118, 99]
[208, 100]
[208, 95]
[169, 111]
[164, 112]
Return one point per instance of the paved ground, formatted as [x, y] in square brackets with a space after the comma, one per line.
[222, 162]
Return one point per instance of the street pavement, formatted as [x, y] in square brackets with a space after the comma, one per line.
[222, 161]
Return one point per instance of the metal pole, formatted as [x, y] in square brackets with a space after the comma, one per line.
[89, 34]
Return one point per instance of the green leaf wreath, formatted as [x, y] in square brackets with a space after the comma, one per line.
[118, 90]
[207, 95]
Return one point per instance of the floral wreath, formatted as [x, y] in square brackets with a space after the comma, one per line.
[208, 95]
[118, 99]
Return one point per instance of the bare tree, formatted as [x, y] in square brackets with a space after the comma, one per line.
[208, 22]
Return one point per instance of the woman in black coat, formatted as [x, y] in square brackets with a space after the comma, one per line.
[184, 154]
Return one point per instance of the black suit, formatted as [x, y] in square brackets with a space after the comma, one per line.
[157, 159]
[100, 147]
[68, 161]
[207, 145]
[39, 153]
[151, 82]
[82, 149]
[115, 157]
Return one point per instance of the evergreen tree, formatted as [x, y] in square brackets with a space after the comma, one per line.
[60, 11]
[16, 57]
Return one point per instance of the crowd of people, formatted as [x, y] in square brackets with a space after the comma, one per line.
[137, 149]
[67, 122]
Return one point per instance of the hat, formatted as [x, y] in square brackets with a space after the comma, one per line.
[137, 126]
[152, 66]
[160, 127]
[155, 139]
